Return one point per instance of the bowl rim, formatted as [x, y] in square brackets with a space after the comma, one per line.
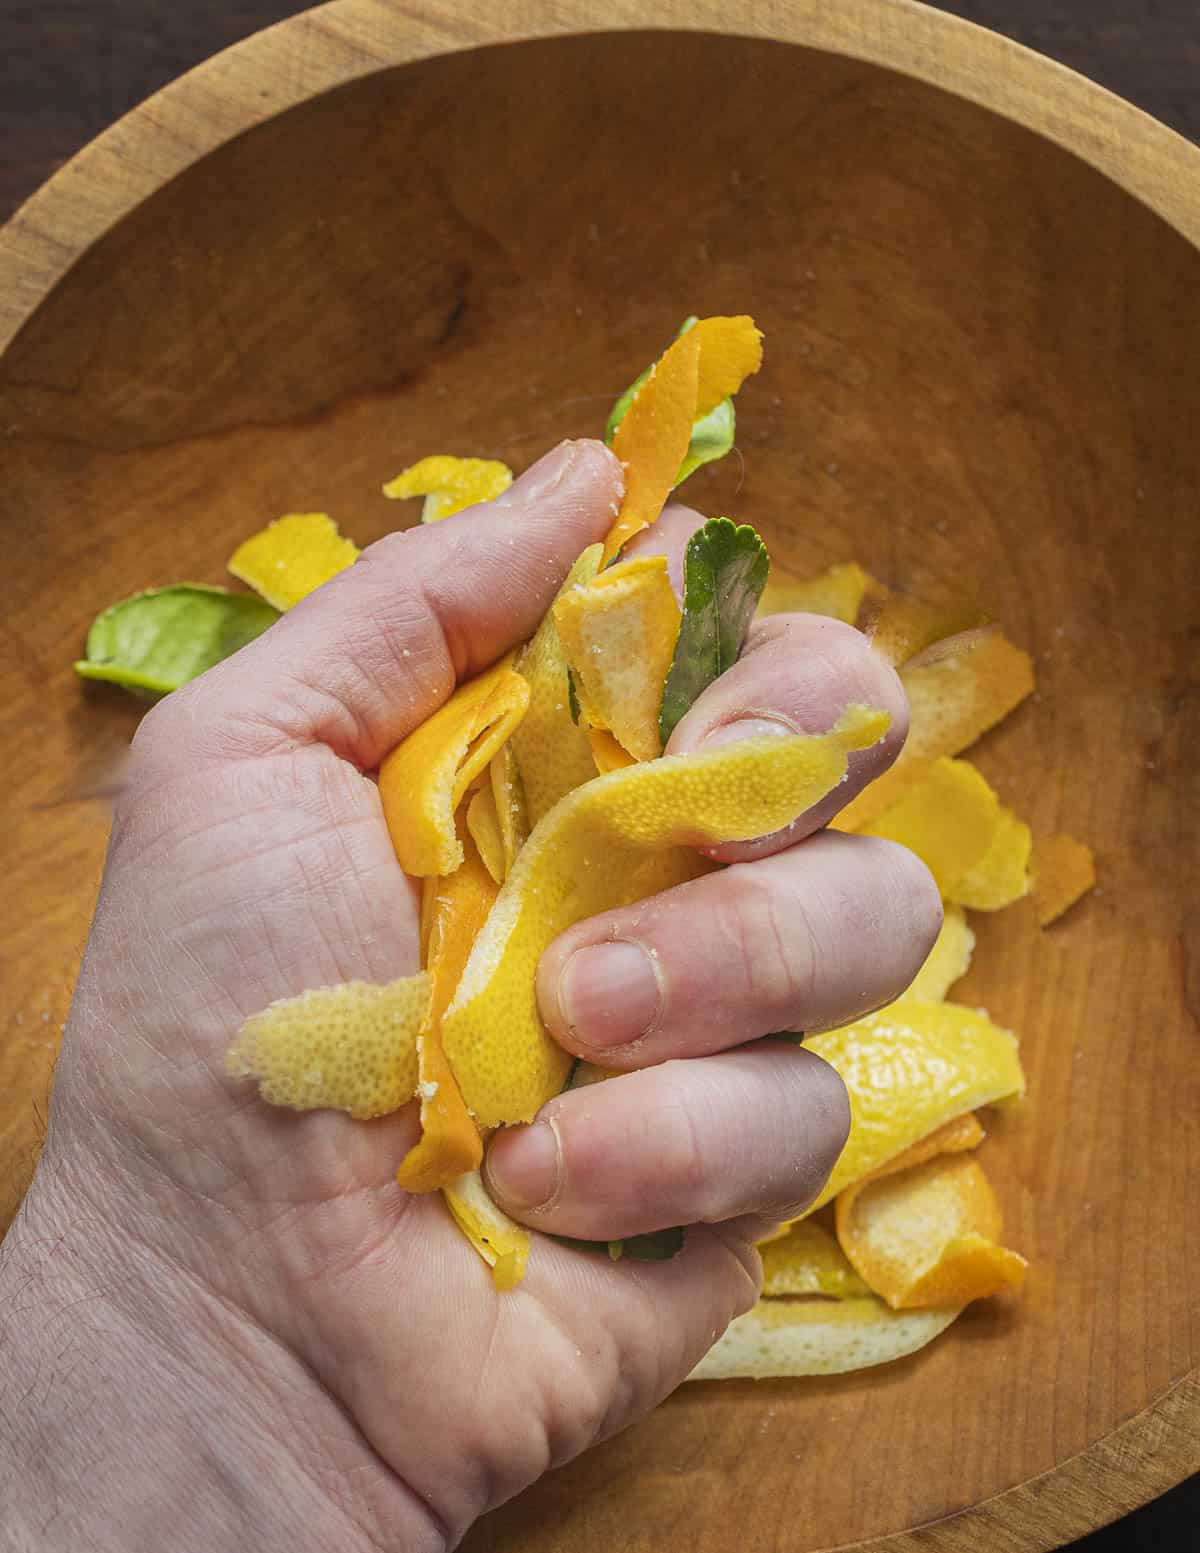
[337, 43]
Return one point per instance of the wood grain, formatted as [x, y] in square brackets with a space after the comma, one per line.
[980, 372]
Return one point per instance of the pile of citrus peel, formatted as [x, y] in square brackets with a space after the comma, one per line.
[538, 795]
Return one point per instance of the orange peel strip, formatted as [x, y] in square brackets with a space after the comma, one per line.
[618, 839]
[908, 1070]
[553, 755]
[789, 1337]
[927, 1235]
[947, 961]
[703, 366]
[450, 484]
[838, 593]
[808, 1260]
[423, 780]
[502, 1244]
[949, 818]
[618, 633]
[900, 626]
[449, 1145]
[291, 557]
[951, 704]
[1063, 870]
[348, 1048]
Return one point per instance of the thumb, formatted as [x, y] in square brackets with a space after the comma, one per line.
[367, 657]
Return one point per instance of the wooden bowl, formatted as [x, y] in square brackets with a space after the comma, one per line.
[363, 236]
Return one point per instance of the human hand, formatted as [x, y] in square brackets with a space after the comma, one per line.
[232, 1329]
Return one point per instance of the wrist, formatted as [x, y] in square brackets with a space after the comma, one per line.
[140, 1411]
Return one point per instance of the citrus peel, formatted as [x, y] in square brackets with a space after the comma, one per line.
[553, 756]
[948, 818]
[947, 961]
[291, 557]
[618, 839]
[789, 1337]
[838, 593]
[449, 1145]
[351, 1048]
[927, 1235]
[908, 1069]
[808, 1260]
[483, 824]
[502, 1244]
[618, 635]
[951, 703]
[1063, 870]
[450, 485]
[423, 780]
[706, 364]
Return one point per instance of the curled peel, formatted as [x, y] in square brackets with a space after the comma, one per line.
[705, 365]
[927, 1235]
[423, 780]
[351, 1048]
[449, 1145]
[450, 484]
[788, 1337]
[291, 557]
[502, 1244]
[909, 1069]
[553, 756]
[483, 824]
[618, 634]
[951, 703]
[618, 839]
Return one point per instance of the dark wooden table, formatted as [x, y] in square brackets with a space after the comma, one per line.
[68, 68]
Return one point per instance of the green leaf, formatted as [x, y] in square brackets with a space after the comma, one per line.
[573, 699]
[156, 641]
[724, 573]
[712, 434]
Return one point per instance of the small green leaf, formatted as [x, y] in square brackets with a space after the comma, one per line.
[573, 699]
[724, 573]
[156, 641]
[792, 1037]
[712, 434]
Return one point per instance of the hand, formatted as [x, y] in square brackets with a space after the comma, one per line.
[224, 1326]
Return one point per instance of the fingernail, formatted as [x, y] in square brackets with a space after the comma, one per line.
[747, 728]
[540, 479]
[609, 994]
[523, 1170]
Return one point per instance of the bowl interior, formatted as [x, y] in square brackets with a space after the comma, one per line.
[979, 376]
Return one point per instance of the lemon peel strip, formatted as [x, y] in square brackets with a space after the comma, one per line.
[786, 1337]
[502, 1244]
[508, 799]
[483, 825]
[947, 962]
[291, 557]
[837, 593]
[909, 1069]
[350, 1048]
[949, 819]
[449, 484]
[423, 780]
[618, 634]
[951, 703]
[808, 1260]
[553, 756]
[618, 839]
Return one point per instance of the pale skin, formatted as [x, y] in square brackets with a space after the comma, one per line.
[224, 1326]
